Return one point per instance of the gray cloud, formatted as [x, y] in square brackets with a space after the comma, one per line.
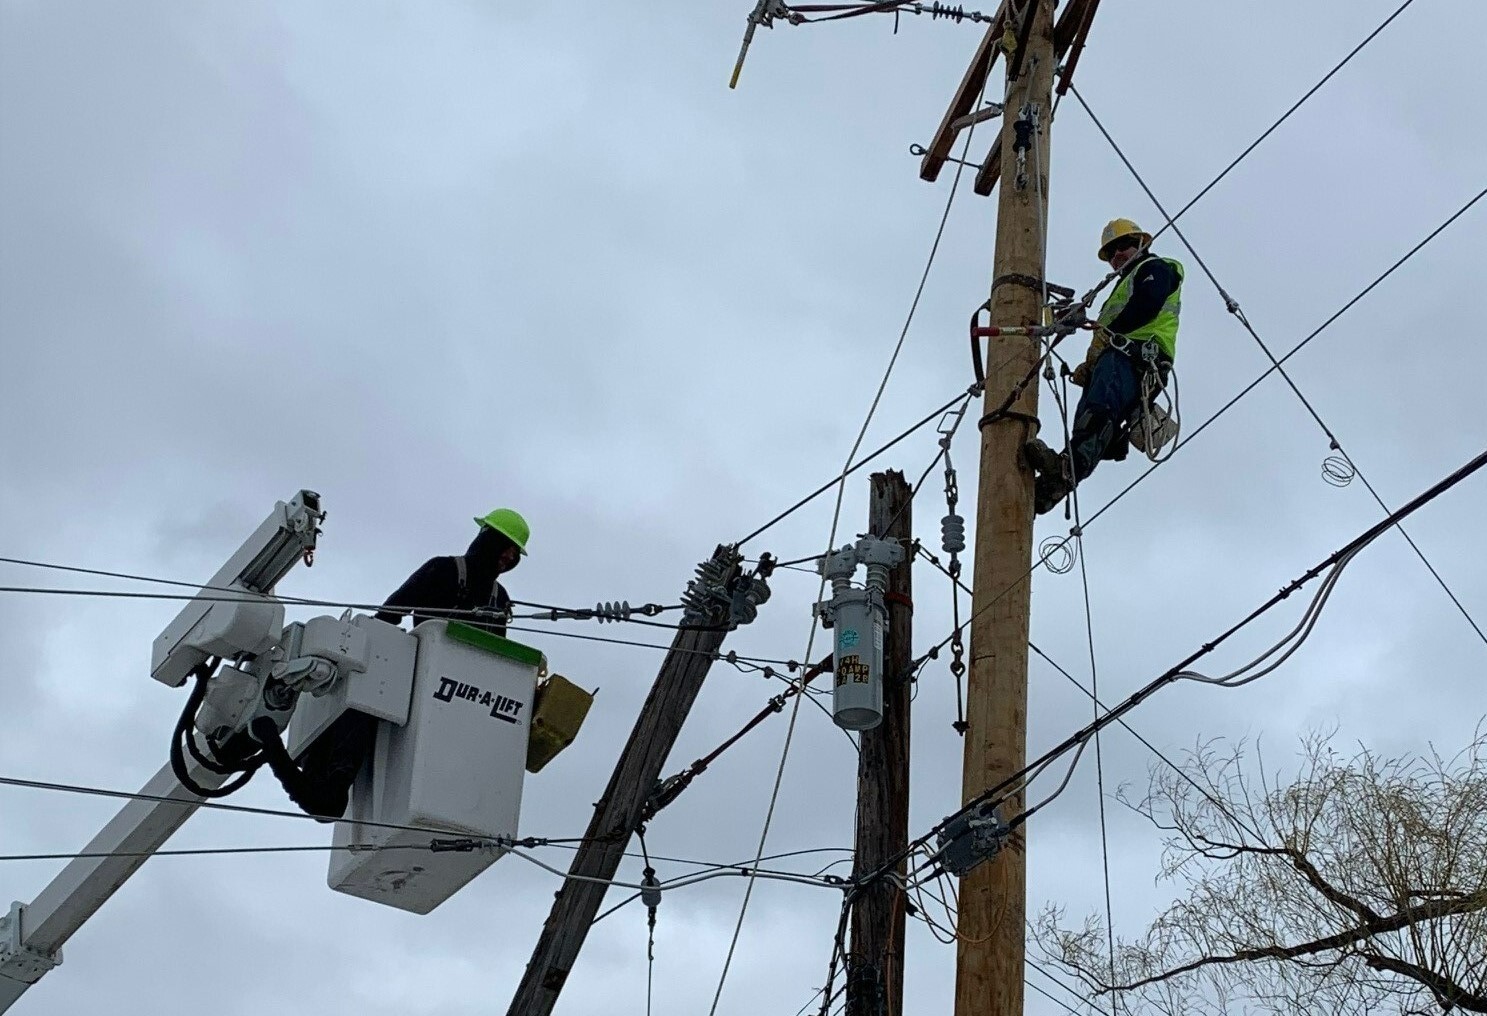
[430, 260]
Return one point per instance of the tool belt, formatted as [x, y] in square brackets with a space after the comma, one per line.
[1147, 422]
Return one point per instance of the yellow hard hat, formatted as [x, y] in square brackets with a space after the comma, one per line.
[1120, 229]
[509, 524]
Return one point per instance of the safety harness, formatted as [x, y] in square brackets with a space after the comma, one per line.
[462, 572]
[1150, 426]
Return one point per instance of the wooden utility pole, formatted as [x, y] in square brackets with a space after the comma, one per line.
[618, 813]
[993, 897]
[875, 970]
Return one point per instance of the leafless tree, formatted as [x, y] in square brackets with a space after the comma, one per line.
[1357, 886]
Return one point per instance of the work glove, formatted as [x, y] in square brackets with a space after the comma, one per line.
[1097, 345]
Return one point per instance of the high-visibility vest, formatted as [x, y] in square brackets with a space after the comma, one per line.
[1162, 328]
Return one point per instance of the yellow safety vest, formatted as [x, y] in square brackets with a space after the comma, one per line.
[1162, 328]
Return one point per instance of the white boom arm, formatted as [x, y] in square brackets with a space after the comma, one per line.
[32, 935]
[241, 622]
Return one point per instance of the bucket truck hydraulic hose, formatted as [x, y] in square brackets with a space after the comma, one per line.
[184, 735]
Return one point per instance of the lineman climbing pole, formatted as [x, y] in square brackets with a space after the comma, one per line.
[993, 896]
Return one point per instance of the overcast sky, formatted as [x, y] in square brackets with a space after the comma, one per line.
[431, 258]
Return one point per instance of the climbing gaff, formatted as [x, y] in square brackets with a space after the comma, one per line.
[859, 617]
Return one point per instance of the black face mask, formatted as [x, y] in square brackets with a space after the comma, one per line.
[486, 549]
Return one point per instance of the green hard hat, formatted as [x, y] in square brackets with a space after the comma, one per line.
[509, 524]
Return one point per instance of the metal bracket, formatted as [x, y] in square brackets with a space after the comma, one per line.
[19, 961]
[990, 111]
[921, 151]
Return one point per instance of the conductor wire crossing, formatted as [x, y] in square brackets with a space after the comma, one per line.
[1233, 307]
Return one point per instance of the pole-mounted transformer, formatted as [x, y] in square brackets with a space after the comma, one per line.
[859, 617]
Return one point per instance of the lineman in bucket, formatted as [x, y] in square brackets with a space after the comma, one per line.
[1135, 340]
[321, 785]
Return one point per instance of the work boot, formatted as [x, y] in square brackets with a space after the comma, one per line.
[1041, 458]
[1048, 490]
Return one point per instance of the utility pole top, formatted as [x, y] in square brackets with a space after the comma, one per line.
[1068, 42]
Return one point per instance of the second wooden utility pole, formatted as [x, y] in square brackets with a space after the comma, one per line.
[875, 971]
[618, 813]
[993, 897]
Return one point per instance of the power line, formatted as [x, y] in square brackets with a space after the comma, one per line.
[212, 851]
[1051, 997]
[1083, 998]
[840, 483]
[731, 658]
[1095, 700]
[244, 809]
[1234, 308]
[1177, 672]
[934, 415]
[605, 611]
[1296, 348]
[445, 842]
[1283, 118]
[1235, 399]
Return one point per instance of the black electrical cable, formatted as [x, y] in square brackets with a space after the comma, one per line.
[1228, 405]
[1237, 311]
[829, 484]
[1284, 117]
[1079, 737]
[1296, 348]
[214, 851]
[558, 633]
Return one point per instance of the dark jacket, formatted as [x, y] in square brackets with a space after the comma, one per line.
[436, 587]
[321, 781]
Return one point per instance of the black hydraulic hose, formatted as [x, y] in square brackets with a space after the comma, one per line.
[182, 734]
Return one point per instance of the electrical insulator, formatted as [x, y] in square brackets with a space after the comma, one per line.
[953, 533]
[612, 610]
[858, 617]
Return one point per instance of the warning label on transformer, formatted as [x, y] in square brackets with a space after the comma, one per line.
[851, 669]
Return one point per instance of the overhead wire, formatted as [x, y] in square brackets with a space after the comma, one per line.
[231, 594]
[1236, 398]
[1040, 968]
[1283, 117]
[999, 791]
[215, 851]
[869, 457]
[1064, 672]
[1353, 301]
[1237, 311]
[731, 658]
[840, 484]
[1051, 997]
[511, 844]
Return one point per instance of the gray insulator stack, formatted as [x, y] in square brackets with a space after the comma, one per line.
[953, 533]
